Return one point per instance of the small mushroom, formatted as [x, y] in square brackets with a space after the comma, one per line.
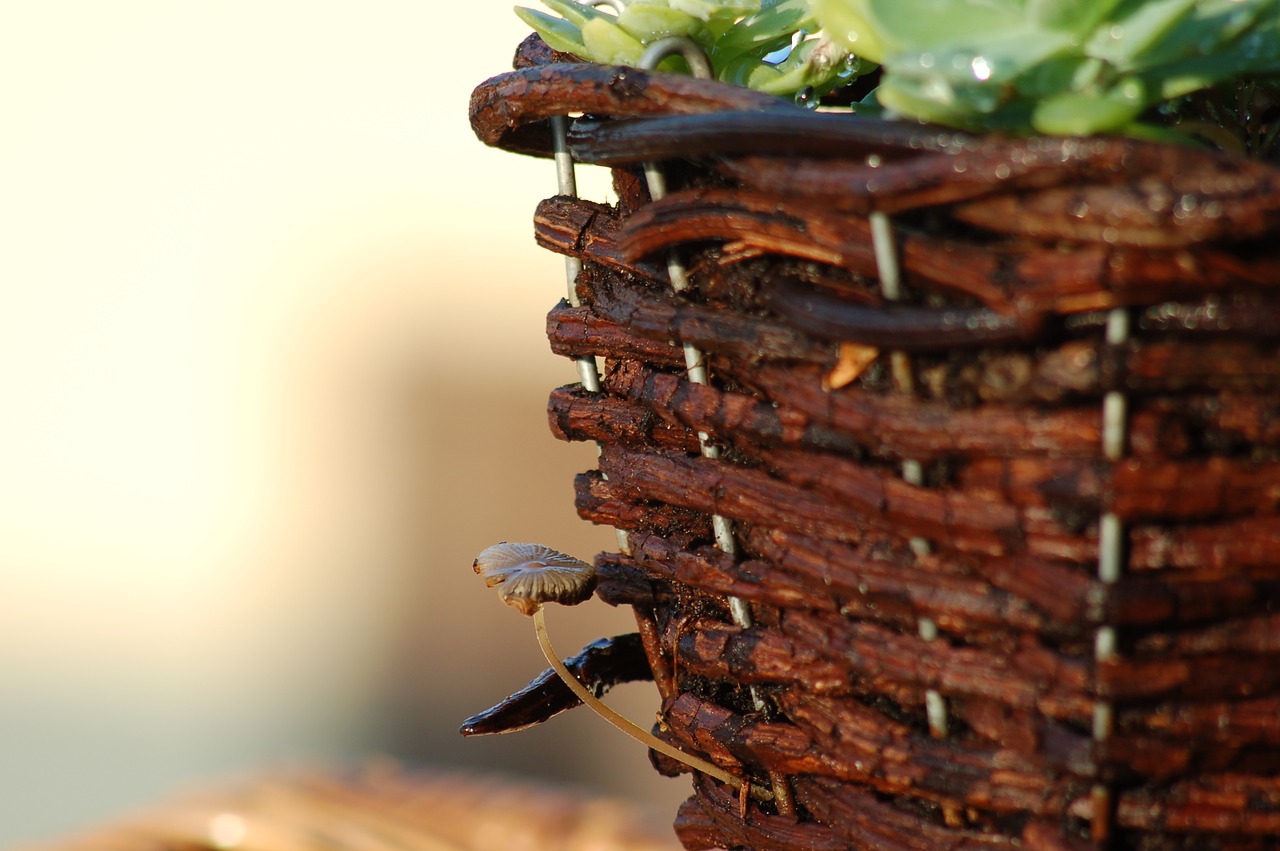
[528, 575]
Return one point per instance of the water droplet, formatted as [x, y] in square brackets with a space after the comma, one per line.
[873, 160]
[926, 60]
[1111, 235]
[1080, 209]
[1002, 171]
[981, 68]
[960, 166]
[849, 67]
[807, 98]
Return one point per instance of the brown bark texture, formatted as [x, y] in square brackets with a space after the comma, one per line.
[934, 659]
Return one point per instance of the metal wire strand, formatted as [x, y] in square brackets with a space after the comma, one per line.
[567, 184]
[696, 367]
[1111, 555]
[695, 360]
[889, 271]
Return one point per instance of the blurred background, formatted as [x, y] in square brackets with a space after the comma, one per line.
[273, 371]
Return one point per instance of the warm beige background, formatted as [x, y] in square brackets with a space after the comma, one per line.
[272, 371]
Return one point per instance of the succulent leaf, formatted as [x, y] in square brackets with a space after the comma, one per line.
[649, 22]
[574, 12]
[847, 22]
[708, 10]
[1135, 28]
[610, 44]
[767, 30]
[558, 33]
[1053, 66]
[739, 37]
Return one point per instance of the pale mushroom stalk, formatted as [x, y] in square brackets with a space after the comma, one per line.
[606, 712]
[528, 575]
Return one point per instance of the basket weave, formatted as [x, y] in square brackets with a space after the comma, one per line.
[992, 376]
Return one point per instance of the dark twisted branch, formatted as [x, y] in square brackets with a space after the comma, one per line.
[589, 231]
[843, 740]
[1047, 188]
[829, 316]
[600, 665]
[579, 332]
[605, 503]
[859, 584]
[509, 110]
[895, 426]
[1018, 277]
[752, 496]
[786, 132]
[576, 414]
[1243, 548]
[710, 820]
[816, 652]
[729, 417]
[1230, 804]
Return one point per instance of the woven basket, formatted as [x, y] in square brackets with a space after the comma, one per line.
[1009, 539]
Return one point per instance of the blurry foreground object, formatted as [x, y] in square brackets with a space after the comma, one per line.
[382, 807]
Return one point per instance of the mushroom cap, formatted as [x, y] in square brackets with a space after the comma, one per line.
[528, 575]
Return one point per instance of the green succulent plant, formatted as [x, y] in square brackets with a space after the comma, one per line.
[770, 45]
[1068, 67]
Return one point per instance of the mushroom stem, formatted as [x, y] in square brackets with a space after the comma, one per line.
[642, 736]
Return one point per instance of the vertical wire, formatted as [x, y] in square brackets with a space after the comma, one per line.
[695, 359]
[886, 253]
[1111, 556]
[696, 370]
[567, 184]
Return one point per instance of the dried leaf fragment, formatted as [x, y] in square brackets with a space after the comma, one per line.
[853, 360]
